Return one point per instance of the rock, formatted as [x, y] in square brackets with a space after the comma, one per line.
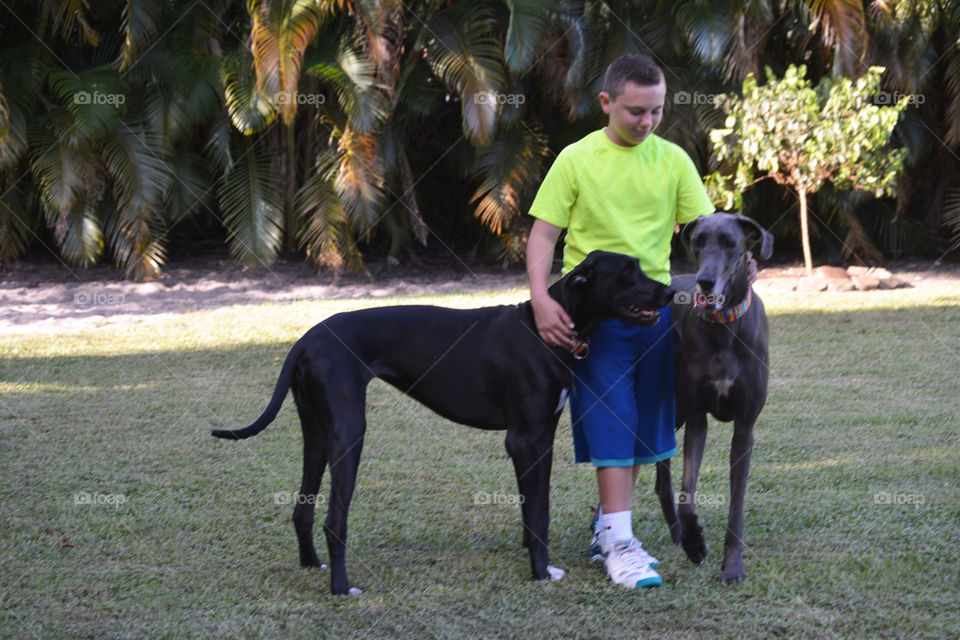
[866, 283]
[811, 285]
[830, 273]
[880, 273]
[857, 270]
[893, 282]
[841, 285]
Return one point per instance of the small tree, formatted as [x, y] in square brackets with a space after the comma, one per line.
[802, 137]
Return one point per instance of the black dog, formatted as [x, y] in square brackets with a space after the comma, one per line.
[485, 368]
[721, 369]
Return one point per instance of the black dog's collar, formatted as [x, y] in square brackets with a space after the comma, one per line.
[580, 349]
[730, 314]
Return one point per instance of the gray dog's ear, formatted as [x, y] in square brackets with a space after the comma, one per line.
[687, 232]
[753, 229]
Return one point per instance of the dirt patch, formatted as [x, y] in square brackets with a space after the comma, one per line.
[38, 295]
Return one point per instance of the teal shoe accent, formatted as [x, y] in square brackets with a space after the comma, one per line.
[649, 582]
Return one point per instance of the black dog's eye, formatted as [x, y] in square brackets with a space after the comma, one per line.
[726, 242]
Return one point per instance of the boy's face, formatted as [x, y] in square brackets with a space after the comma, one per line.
[635, 113]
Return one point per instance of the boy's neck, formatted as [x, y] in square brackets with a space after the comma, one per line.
[620, 142]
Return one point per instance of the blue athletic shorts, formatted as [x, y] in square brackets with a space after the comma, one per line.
[622, 400]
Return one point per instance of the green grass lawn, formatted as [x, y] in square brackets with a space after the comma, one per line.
[120, 517]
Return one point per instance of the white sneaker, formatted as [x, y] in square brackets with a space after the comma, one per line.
[599, 542]
[628, 565]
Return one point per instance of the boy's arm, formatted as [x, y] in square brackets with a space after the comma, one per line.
[553, 322]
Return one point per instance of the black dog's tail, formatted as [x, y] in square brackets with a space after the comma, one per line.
[279, 394]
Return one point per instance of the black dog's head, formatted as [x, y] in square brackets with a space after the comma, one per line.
[718, 243]
[610, 285]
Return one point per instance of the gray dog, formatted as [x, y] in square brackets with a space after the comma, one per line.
[721, 369]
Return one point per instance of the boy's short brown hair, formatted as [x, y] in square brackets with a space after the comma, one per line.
[634, 67]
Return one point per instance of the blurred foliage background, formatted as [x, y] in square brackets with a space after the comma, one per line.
[344, 130]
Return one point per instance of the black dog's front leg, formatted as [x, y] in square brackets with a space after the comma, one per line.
[532, 461]
[664, 490]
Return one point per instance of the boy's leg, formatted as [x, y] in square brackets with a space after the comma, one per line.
[605, 418]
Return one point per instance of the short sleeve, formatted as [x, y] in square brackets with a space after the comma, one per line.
[692, 198]
[557, 193]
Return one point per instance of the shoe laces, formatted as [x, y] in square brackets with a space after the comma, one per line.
[632, 555]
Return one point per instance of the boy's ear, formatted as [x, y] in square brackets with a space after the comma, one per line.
[604, 101]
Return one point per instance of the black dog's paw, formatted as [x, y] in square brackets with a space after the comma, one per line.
[675, 533]
[309, 561]
[732, 570]
[693, 543]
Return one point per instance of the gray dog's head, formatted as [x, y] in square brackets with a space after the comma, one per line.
[718, 243]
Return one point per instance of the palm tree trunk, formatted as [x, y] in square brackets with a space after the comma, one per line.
[805, 230]
[290, 222]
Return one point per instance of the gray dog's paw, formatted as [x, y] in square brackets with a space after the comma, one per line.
[555, 573]
[732, 570]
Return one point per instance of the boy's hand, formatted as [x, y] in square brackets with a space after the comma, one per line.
[553, 323]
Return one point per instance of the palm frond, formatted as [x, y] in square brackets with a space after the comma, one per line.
[140, 22]
[508, 166]
[465, 54]
[950, 215]
[80, 237]
[251, 199]
[708, 29]
[65, 173]
[96, 99]
[141, 176]
[359, 179]
[844, 30]
[279, 36]
[354, 81]
[249, 110]
[13, 132]
[324, 223]
[67, 18]
[190, 185]
[17, 220]
[953, 96]
[529, 21]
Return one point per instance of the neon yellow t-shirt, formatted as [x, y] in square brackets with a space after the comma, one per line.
[623, 199]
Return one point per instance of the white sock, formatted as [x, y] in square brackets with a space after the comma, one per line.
[620, 524]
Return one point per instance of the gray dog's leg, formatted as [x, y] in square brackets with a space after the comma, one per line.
[740, 450]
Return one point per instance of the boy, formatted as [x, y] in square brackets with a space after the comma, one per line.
[621, 189]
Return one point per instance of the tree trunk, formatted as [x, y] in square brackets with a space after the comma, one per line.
[290, 221]
[805, 231]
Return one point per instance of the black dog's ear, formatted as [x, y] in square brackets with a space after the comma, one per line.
[753, 229]
[582, 277]
[688, 231]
